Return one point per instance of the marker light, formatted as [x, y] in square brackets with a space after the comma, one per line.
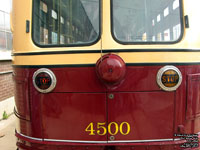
[111, 69]
[169, 78]
[44, 80]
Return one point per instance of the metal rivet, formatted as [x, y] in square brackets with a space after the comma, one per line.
[111, 96]
[112, 138]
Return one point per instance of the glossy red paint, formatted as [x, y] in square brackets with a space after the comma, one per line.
[22, 96]
[111, 69]
[150, 114]
[71, 113]
[193, 99]
[80, 98]
[76, 79]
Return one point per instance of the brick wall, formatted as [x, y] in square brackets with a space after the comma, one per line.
[6, 81]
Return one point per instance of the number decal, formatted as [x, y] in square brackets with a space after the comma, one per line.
[113, 128]
[101, 126]
[116, 128]
[90, 128]
[127, 128]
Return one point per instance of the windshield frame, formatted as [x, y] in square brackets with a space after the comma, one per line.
[147, 42]
[71, 44]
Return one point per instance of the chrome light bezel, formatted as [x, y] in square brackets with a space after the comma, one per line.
[159, 76]
[52, 76]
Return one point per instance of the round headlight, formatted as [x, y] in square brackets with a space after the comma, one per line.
[44, 80]
[169, 78]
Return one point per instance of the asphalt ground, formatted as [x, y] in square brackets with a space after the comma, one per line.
[7, 134]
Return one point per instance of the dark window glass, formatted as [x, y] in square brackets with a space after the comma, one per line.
[65, 22]
[146, 20]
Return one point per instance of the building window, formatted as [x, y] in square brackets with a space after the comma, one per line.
[5, 33]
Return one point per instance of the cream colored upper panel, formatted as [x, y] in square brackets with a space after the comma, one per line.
[136, 57]
[22, 42]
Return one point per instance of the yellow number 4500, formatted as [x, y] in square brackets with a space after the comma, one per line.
[101, 128]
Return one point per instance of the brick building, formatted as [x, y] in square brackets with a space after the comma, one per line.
[6, 81]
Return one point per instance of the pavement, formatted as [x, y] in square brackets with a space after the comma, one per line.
[7, 133]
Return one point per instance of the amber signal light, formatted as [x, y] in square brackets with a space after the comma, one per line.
[169, 78]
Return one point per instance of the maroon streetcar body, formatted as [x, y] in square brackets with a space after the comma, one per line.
[80, 98]
[107, 74]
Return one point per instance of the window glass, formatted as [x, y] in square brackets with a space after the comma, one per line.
[5, 33]
[146, 20]
[7, 22]
[2, 20]
[65, 22]
[5, 40]
[9, 41]
[2, 40]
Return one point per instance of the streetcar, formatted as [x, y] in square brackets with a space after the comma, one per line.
[106, 74]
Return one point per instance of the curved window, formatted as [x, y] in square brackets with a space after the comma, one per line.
[65, 22]
[146, 21]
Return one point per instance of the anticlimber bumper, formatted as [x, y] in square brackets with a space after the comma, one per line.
[31, 143]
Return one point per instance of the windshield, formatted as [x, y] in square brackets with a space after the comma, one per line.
[146, 21]
[65, 22]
